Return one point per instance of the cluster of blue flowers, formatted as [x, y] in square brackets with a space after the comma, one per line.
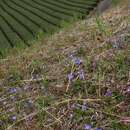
[12, 90]
[89, 127]
[76, 62]
[108, 93]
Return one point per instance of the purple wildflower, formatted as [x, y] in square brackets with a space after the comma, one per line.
[70, 76]
[84, 107]
[87, 127]
[128, 89]
[77, 61]
[12, 90]
[81, 74]
[13, 118]
[108, 93]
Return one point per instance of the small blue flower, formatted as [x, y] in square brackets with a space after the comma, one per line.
[87, 127]
[12, 90]
[128, 89]
[108, 93]
[84, 107]
[13, 118]
[77, 61]
[70, 76]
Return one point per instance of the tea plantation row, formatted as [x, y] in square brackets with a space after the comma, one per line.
[21, 20]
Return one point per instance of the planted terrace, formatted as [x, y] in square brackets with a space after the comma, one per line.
[21, 20]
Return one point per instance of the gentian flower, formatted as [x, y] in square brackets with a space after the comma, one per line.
[76, 61]
[87, 127]
[108, 93]
[12, 90]
[128, 89]
[13, 118]
[70, 76]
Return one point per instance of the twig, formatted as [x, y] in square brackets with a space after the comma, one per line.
[33, 80]
[51, 115]
[56, 120]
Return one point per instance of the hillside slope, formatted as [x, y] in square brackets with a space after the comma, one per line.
[76, 79]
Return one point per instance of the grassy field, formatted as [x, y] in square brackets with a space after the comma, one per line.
[76, 79]
[21, 21]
